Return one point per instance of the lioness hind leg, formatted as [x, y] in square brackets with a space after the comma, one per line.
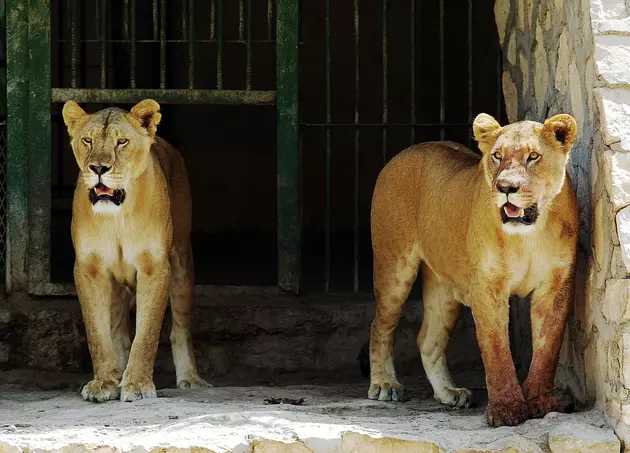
[441, 313]
[393, 279]
[182, 306]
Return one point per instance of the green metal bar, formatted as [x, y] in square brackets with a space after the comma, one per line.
[327, 232]
[103, 36]
[191, 44]
[287, 79]
[248, 49]
[219, 32]
[39, 140]
[412, 88]
[168, 96]
[17, 142]
[384, 28]
[442, 109]
[132, 52]
[356, 148]
[163, 44]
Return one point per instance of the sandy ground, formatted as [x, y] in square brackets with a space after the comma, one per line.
[332, 418]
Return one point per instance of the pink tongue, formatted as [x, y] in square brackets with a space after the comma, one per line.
[103, 190]
[511, 210]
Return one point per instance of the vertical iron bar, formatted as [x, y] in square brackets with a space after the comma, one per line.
[191, 44]
[38, 132]
[74, 38]
[241, 21]
[163, 44]
[213, 16]
[103, 36]
[356, 148]
[184, 25]
[328, 152]
[17, 145]
[155, 21]
[288, 158]
[269, 19]
[126, 21]
[412, 88]
[442, 109]
[219, 27]
[132, 19]
[470, 71]
[248, 51]
[384, 28]
[499, 82]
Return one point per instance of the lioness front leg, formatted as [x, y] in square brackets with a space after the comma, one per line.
[153, 280]
[549, 311]
[97, 291]
[506, 403]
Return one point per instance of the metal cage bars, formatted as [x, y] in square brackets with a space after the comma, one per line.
[29, 127]
[385, 125]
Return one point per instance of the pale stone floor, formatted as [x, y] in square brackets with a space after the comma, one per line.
[333, 418]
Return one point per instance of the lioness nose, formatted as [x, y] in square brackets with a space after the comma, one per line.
[99, 169]
[507, 188]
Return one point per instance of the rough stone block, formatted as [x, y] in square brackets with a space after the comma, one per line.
[582, 438]
[612, 53]
[619, 165]
[615, 115]
[623, 230]
[615, 307]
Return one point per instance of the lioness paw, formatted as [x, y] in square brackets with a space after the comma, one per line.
[456, 398]
[542, 405]
[134, 391]
[192, 383]
[99, 391]
[502, 414]
[387, 392]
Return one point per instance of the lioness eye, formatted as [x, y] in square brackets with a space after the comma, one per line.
[87, 140]
[122, 141]
[534, 156]
[497, 155]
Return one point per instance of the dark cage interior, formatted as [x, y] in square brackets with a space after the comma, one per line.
[375, 76]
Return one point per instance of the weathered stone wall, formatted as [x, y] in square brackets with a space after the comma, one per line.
[574, 57]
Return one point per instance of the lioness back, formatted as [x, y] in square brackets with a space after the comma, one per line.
[419, 197]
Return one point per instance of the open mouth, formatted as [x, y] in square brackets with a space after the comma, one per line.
[101, 192]
[515, 214]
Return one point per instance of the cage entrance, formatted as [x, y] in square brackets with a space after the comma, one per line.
[375, 77]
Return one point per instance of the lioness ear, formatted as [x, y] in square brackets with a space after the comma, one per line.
[148, 112]
[560, 129]
[486, 130]
[71, 114]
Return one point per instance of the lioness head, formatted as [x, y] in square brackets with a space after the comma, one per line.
[112, 149]
[524, 164]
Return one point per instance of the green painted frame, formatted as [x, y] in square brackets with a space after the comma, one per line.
[29, 100]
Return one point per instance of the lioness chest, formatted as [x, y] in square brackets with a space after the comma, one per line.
[118, 246]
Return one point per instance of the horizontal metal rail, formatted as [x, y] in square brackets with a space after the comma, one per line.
[164, 96]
